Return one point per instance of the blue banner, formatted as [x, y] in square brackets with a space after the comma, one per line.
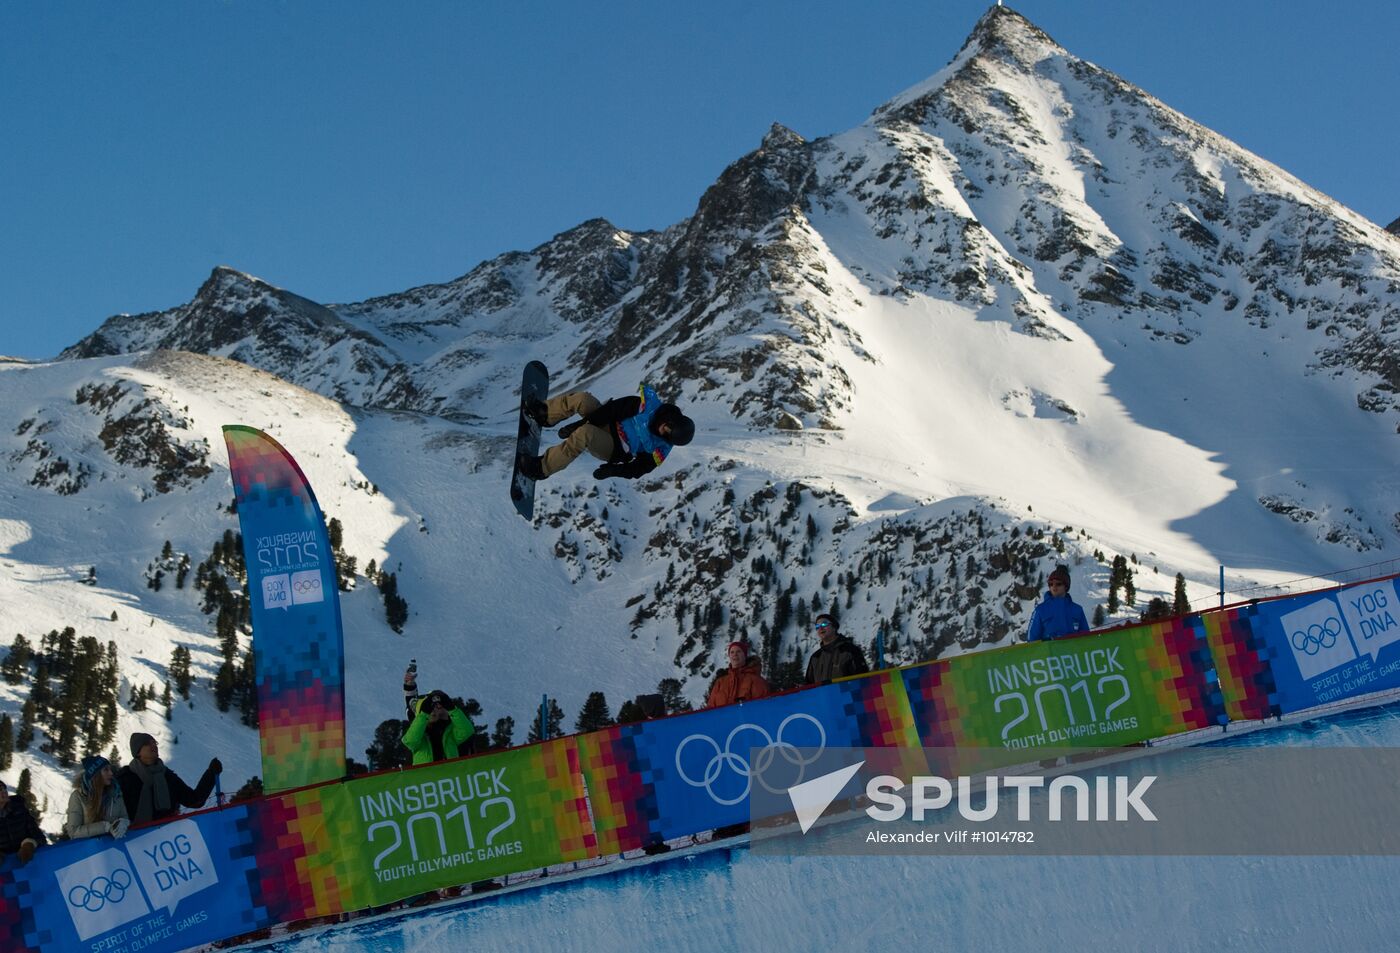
[297, 644]
[698, 765]
[1328, 647]
[171, 887]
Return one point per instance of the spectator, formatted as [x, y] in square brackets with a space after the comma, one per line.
[740, 682]
[152, 791]
[837, 656]
[439, 729]
[19, 832]
[631, 435]
[96, 806]
[1057, 615]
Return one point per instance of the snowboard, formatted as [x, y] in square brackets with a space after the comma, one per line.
[534, 385]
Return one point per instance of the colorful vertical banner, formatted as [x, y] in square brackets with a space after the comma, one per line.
[180, 885]
[1327, 647]
[297, 642]
[1099, 691]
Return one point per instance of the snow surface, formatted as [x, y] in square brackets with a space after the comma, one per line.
[732, 899]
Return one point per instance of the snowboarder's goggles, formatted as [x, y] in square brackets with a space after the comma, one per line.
[823, 625]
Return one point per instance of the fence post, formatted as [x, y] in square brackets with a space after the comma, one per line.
[1222, 587]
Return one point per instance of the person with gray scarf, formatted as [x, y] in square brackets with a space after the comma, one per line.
[152, 791]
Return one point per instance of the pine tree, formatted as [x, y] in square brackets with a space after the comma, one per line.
[16, 664]
[395, 607]
[782, 613]
[503, 735]
[1180, 604]
[556, 720]
[594, 714]
[246, 690]
[7, 742]
[223, 686]
[387, 750]
[108, 729]
[168, 701]
[42, 694]
[1156, 609]
[179, 670]
[629, 712]
[252, 788]
[1098, 616]
[671, 697]
[25, 736]
[66, 745]
[25, 791]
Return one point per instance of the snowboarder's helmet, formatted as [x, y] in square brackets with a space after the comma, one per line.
[682, 427]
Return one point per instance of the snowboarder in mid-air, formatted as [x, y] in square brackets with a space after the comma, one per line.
[631, 435]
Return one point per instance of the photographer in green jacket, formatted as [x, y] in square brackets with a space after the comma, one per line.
[439, 729]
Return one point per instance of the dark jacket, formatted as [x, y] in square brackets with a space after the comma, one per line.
[17, 824]
[1055, 617]
[181, 794]
[837, 660]
[636, 449]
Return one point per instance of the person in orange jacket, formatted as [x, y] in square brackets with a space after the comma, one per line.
[740, 682]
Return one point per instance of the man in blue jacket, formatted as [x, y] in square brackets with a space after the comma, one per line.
[631, 435]
[1057, 615]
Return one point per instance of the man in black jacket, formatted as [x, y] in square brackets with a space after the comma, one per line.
[19, 832]
[631, 435]
[152, 791]
[837, 656]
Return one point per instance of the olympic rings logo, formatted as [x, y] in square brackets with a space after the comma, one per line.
[102, 891]
[306, 585]
[1318, 636]
[728, 757]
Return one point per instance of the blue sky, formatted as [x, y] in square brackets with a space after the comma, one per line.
[346, 149]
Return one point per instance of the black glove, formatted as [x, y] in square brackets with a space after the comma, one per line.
[607, 470]
[568, 429]
[216, 766]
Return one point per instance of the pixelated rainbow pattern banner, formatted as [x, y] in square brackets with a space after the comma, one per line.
[1241, 663]
[297, 640]
[348, 845]
[1104, 690]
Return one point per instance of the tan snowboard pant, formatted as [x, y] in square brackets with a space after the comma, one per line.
[596, 440]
